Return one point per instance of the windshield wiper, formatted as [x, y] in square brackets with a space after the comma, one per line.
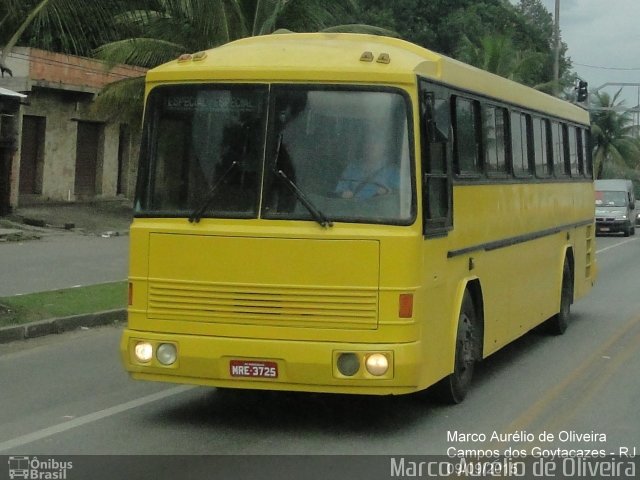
[199, 212]
[317, 215]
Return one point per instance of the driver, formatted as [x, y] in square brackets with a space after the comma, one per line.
[371, 175]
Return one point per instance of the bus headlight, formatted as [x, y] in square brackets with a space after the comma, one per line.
[167, 353]
[377, 364]
[143, 352]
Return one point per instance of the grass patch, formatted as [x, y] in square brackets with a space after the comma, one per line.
[19, 309]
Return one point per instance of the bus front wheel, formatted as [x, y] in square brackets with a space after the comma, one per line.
[453, 388]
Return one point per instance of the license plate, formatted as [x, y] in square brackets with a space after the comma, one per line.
[253, 369]
[604, 229]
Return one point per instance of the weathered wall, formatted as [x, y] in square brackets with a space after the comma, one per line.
[62, 115]
[61, 88]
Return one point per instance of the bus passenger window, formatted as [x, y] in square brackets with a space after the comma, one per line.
[519, 144]
[466, 143]
[584, 160]
[575, 165]
[540, 147]
[493, 140]
[557, 141]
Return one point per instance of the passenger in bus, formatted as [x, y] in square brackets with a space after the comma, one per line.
[369, 175]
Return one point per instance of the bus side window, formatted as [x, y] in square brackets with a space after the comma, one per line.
[494, 141]
[575, 165]
[541, 147]
[560, 168]
[436, 160]
[520, 145]
[583, 141]
[466, 142]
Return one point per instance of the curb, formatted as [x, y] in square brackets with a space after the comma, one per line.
[61, 325]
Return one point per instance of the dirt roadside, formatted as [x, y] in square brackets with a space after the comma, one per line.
[105, 217]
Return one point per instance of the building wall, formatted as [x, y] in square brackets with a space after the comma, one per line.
[9, 114]
[62, 88]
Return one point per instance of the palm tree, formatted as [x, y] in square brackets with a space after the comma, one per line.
[614, 136]
[68, 26]
[171, 27]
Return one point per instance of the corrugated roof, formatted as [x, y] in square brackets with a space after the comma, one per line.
[10, 93]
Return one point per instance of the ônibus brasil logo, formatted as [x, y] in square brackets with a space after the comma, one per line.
[36, 469]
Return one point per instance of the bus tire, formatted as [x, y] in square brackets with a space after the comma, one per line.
[453, 388]
[557, 324]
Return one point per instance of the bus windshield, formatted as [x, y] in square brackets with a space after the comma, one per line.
[276, 152]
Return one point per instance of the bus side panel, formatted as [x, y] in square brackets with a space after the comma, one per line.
[439, 309]
[511, 237]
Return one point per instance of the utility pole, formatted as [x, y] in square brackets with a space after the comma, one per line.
[556, 60]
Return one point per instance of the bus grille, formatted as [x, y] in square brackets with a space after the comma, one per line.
[319, 307]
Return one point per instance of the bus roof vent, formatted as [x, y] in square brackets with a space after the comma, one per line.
[366, 57]
[199, 56]
[384, 58]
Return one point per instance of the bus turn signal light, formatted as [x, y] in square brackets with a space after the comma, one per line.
[405, 305]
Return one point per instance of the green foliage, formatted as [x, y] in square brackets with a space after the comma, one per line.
[69, 26]
[498, 55]
[515, 42]
[615, 137]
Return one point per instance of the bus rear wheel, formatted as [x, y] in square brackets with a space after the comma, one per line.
[453, 388]
[557, 324]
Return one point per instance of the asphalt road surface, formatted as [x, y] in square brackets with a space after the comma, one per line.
[62, 260]
[68, 395]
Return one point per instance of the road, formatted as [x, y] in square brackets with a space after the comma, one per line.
[69, 395]
[61, 260]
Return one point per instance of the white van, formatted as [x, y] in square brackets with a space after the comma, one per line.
[615, 205]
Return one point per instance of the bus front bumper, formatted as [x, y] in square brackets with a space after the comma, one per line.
[274, 364]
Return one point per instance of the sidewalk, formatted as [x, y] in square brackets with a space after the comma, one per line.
[56, 246]
[90, 218]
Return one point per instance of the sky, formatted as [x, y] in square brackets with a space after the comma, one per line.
[603, 34]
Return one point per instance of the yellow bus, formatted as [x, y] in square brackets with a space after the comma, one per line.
[351, 214]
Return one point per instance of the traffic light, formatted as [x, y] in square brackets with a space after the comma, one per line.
[583, 93]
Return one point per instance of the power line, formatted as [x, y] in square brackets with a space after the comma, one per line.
[607, 68]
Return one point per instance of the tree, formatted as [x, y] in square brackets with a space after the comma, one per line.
[536, 33]
[171, 27]
[67, 26]
[497, 54]
[457, 28]
[613, 133]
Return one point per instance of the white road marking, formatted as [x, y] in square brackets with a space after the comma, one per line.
[90, 418]
[616, 245]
